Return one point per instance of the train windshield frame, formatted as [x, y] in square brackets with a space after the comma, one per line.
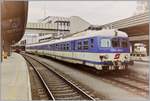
[119, 42]
[124, 43]
[115, 42]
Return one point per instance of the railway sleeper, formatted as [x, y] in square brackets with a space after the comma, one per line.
[68, 90]
[66, 94]
[71, 98]
[60, 88]
[60, 84]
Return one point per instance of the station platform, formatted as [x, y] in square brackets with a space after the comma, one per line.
[15, 82]
[141, 59]
[140, 69]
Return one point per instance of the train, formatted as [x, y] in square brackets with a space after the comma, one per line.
[100, 49]
[140, 52]
[18, 49]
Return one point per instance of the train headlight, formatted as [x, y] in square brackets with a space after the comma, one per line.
[103, 57]
[126, 57]
[106, 57]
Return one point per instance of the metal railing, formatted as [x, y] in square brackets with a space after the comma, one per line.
[46, 26]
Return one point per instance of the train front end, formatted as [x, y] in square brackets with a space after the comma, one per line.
[114, 51]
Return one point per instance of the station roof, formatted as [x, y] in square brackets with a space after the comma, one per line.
[142, 29]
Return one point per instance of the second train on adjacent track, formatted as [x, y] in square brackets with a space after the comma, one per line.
[103, 50]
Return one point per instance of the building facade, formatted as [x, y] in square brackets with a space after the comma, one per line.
[55, 27]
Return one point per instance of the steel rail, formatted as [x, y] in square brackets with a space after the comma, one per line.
[69, 82]
[45, 85]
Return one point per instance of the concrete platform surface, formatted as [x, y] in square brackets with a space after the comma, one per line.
[15, 83]
[140, 69]
[141, 59]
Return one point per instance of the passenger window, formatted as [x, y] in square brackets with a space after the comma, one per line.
[53, 47]
[92, 43]
[142, 55]
[67, 46]
[61, 46]
[105, 43]
[64, 46]
[56, 46]
[85, 46]
[79, 45]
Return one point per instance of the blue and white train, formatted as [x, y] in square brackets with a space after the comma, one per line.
[104, 49]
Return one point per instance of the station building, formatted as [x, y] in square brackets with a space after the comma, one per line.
[53, 27]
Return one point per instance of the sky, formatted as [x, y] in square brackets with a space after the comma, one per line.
[94, 12]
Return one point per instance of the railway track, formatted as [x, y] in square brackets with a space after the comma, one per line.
[127, 82]
[56, 87]
[131, 84]
[38, 90]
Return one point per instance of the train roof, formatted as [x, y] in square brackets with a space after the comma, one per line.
[87, 34]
